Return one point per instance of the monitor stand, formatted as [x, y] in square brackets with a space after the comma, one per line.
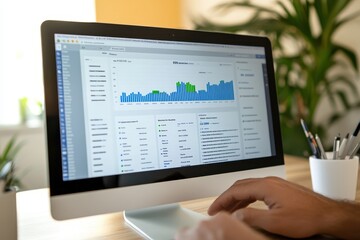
[161, 222]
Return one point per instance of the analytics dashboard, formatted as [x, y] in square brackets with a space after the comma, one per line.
[132, 105]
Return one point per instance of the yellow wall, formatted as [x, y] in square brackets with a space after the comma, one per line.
[159, 13]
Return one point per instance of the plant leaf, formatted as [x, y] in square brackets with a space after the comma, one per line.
[349, 54]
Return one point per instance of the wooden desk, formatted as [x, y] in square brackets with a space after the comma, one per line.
[35, 222]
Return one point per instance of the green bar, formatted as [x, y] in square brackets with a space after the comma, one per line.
[189, 87]
[155, 91]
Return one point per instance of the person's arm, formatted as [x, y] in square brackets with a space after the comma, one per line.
[294, 211]
[223, 226]
[345, 222]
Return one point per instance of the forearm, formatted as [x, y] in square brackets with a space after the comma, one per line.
[343, 221]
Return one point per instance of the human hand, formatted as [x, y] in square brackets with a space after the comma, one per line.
[294, 211]
[223, 226]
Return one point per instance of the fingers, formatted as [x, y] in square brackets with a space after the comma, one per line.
[221, 227]
[266, 220]
[206, 229]
[255, 217]
[290, 224]
[229, 205]
[241, 194]
[191, 234]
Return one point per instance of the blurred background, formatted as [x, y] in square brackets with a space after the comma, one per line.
[21, 88]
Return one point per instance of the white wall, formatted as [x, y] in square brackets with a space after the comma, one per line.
[21, 73]
[20, 47]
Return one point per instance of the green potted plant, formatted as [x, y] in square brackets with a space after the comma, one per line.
[8, 179]
[313, 70]
[9, 184]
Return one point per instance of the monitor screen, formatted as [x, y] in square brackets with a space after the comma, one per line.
[131, 106]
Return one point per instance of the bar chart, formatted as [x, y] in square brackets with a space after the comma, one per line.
[161, 81]
[185, 92]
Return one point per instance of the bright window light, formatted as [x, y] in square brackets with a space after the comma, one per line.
[20, 48]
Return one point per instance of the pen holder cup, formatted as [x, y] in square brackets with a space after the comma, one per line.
[335, 179]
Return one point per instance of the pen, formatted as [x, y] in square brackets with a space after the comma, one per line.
[355, 150]
[317, 149]
[322, 152]
[312, 147]
[336, 147]
[351, 140]
[342, 147]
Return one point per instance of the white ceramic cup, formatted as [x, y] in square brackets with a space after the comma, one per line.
[335, 179]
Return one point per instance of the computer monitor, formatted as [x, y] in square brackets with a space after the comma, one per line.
[140, 116]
